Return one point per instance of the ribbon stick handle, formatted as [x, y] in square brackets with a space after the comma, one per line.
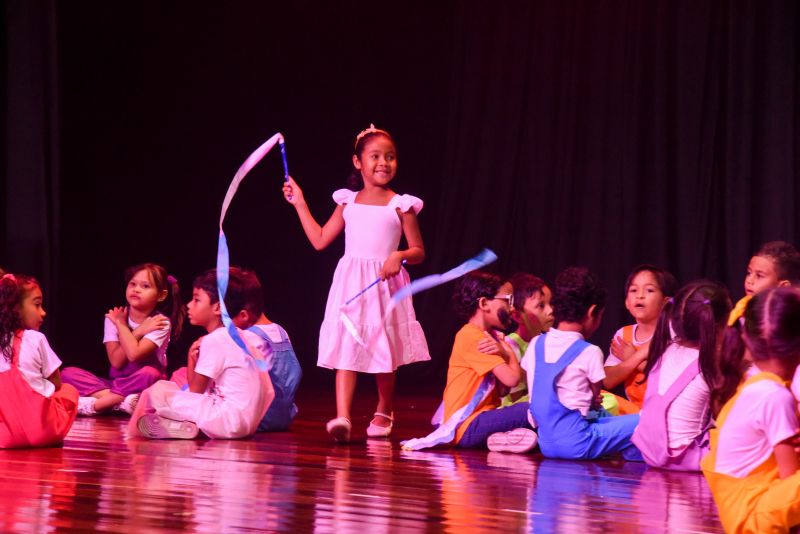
[282, 144]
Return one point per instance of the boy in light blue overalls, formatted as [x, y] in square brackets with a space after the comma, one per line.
[565, 375]
[285, 372]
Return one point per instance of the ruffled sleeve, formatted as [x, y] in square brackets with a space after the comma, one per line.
[406, 203]
[343, 196]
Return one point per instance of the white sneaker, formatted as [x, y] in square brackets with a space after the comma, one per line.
[128, 404]
[518, 440]
[154, 426]
[86, 406]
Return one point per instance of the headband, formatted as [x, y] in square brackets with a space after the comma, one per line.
[9, 276]
[370, 130]
[738, 311]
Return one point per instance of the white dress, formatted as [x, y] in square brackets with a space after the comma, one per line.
[371, 234]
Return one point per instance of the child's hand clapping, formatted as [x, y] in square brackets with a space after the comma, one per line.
[292, 192]
[495, 345]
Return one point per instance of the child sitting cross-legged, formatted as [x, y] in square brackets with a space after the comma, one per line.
[481, 364]
[241, 392]
[565, 374]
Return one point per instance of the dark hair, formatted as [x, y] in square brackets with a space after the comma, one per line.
[576, 290]
[355, 182]
[696, 314]
[470, 288]
[785, 257]
[13, 288]
[525, 286]
[666, 282]
[234, 301]
[172, 306]
[244, 292]
[768, 329]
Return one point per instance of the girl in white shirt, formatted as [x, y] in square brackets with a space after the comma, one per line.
[36, 409]
[753, 467]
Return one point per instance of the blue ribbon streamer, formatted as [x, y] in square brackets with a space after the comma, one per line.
[223, 255]
[483, 258]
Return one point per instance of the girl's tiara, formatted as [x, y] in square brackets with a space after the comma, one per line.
[8, 276]
[370, 130]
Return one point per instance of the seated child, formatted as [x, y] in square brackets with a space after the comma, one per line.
[776, 264]
[36, 409]
[245, 294]
[241, 392]
[533, 315]
[646, 290]
[676, 415]
[565, 374]
[472, 416]
[136, 340]
[752, 468]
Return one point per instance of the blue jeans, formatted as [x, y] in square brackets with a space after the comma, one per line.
[491, 421]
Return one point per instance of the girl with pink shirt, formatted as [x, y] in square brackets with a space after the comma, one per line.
[681, 369]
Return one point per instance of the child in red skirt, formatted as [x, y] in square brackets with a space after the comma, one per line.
[36, 409]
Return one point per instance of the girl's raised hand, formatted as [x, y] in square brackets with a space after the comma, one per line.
[391, 266]
[118, 315]
[292, 192]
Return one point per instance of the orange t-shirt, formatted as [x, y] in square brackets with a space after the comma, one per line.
[465, 373]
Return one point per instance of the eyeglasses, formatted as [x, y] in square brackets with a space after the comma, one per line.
[507, 298]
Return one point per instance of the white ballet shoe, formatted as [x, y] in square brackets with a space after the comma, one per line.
[339, 429]
[377, 431]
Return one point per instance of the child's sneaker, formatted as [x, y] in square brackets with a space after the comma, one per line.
[128, 404]
[154, 426]
[518, 440]
[86, 406]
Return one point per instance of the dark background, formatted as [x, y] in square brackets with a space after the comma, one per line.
[604, 134]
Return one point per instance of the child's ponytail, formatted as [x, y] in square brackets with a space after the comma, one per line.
[178, 312]
[695, 315]
[732, 364]
[662, 337]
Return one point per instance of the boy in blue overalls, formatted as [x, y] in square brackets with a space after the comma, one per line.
[565, 374]
[285, 372]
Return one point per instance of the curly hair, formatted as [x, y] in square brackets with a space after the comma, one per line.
[470, 288]
[576, 290]
[12, 291]
[785, 257]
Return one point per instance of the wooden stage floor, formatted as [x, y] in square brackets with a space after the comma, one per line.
[300, 481]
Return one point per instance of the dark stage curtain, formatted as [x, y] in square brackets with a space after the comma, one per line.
[31, 144]
[605, 134]
[609, 134]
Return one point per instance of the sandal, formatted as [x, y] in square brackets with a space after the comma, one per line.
[376, 431]
[339, 429]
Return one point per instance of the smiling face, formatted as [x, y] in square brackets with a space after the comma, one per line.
[645, 298]
[761, 274]
[31, 310]
[377, 161]
[142, 294]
